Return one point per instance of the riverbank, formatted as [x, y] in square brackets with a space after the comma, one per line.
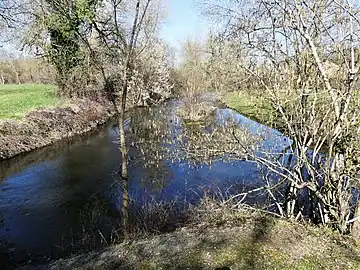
[211, 235]
[224, 238]
[251, 105]
[256, 107]
[43, 127]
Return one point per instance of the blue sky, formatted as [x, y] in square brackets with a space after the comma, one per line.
[184, 20]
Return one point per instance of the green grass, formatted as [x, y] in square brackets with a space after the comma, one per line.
[256, 107]
[251, 105]
[17, 100]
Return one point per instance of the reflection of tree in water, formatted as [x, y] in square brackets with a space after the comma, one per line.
[148, 132]
[205, 144]
[96, 225]
[17, 164]
[162, 137]
[157, 138]
[5, 243]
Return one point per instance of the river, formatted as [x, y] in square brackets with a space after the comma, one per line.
[48, 196]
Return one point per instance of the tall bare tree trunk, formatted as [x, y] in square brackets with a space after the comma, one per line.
[124, 156]
[123, 147]
[124, 171]
[115, 39]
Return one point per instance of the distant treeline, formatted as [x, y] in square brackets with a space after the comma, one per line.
[30, 70]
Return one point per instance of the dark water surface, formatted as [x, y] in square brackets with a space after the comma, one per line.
[45, 195]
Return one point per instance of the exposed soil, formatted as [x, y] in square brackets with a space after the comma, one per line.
[43, 127]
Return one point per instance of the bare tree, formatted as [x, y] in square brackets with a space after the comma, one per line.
[13, 20]
[6, 8]
[302, 56]
[123, 44]
[109, 42]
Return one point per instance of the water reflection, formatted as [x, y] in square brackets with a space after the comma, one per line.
[48, 196]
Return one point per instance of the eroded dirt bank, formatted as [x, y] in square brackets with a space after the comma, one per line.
[43, 127]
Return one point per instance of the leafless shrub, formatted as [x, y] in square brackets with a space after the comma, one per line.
[302, 56]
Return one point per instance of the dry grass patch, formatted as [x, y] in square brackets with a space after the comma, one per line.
[244, 239]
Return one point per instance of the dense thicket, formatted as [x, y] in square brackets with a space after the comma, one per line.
[302, 58]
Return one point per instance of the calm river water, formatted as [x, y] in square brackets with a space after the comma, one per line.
[46, 195]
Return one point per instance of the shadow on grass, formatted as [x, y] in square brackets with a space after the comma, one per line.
[247, 246]
[245, 253]
[262, 229]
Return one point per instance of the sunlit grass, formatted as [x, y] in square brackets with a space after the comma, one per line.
[257, 107]
[17, 100]
[251, 105]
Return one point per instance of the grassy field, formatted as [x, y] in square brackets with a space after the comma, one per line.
[251, 105]
[17, 100]
[256, 107]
